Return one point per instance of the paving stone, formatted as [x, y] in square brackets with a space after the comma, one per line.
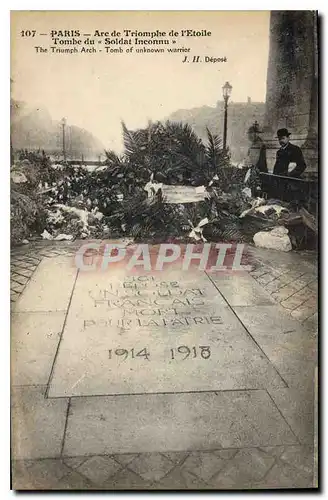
[35, 338]
[16, 287]
[290, 276]
[44, 253]
[208, 421]
[21, 256]
[274, 451]
[180, 479]
[22, 272]
[152, 466]
[277, 272]
[53, 254]
[282, 281]
[125, 458]
[309, 277]
[33, 260]
[13, 295]
[74, 462]
[300, 457]
[225, 454]
[46, 474]
[40, 475]
[303, 312]
[203, 465]
[37, 423]
[22, 280]
[74, 481]
[284, 476]
[290, 261]
[283, 293]
[245, 468]
[50, 287]
[241, 290]
[25, 267]
[313, 285]
[26, 259]
[305, 293]
[14, 260]
[294, 274]
[20, 477]
[175, 457]
[273, 286]
[20, 262]
[265, 279]
[172, 481]
[259, 272]
[297, 406]
[312, 322]
[292, 302]
[277, 321]
[126, 480]
[300, 283]
[98, 469]
[290, 347]
[312, 301]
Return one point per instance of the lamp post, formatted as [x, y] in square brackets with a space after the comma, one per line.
[226, 91]
[63, 123]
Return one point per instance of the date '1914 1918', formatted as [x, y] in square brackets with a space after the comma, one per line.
[181, 352]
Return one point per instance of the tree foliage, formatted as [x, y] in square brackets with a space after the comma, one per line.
[172, 151]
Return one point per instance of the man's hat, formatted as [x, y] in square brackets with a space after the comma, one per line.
[283, 132]
[255, 128]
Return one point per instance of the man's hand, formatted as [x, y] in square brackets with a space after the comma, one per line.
[291, 166]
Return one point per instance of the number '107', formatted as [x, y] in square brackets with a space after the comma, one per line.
[27, 33]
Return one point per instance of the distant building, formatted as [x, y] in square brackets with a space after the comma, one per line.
[241, 115]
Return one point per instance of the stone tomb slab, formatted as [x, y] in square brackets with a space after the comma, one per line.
[35, 337]
[38, 424]
[170, 332]
[174, 422]
[50, 287]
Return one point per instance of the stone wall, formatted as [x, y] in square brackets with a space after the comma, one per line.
[292, 83]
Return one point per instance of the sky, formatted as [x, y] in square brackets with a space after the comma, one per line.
[97, 91]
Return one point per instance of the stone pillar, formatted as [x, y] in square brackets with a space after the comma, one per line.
[292, 84]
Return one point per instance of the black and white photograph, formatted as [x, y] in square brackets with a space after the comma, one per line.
[164, 247]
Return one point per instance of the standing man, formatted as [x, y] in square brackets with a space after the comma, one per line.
[287, 154]
[256, 156]
[256, 159]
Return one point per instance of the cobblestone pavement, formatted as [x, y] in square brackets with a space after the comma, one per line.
[25, 259]
[243, 468]
[291, 279]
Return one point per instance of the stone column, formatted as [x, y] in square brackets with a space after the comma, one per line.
[292, 84]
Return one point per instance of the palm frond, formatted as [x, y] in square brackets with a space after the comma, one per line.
[132, 141]
[112, 159]
[213, 148]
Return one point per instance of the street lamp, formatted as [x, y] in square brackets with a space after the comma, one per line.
[226, 92]
[63, 124]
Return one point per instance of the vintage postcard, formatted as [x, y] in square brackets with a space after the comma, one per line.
[164, 248]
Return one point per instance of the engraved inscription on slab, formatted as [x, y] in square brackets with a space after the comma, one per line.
[146, 334]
